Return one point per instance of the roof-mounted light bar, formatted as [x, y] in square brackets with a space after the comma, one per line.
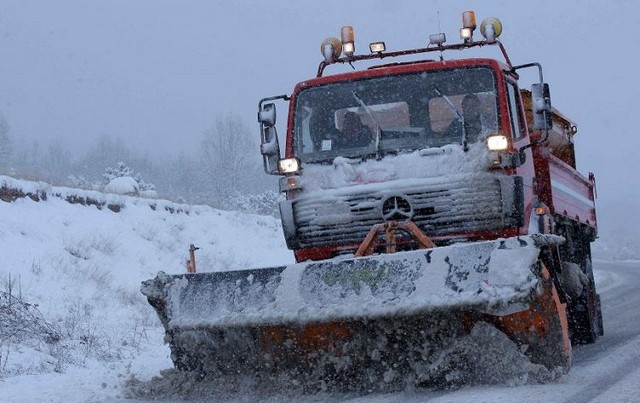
[348, 41]
[332, 48]
[491, 28]
[377, 47]
[437, 39]
[468, 26]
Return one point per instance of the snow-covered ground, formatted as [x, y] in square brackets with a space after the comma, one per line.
[91, 333]
[81, 268]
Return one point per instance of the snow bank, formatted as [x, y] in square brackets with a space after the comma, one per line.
[81, 265]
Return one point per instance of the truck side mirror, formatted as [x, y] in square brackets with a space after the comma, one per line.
[269, 147]
[541, 105]
[267, 115]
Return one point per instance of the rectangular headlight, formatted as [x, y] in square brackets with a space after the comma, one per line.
[377, 47]
[289, 166]
[497, 142]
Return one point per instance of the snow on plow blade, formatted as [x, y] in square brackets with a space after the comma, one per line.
[241, 315]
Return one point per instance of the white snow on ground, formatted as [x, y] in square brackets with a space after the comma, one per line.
[83, 266]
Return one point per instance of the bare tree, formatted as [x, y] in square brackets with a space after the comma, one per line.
[230, 157]
[179, 176]
[6, 143]
[57, 160]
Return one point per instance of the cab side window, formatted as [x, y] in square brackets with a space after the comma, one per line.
[517, 126]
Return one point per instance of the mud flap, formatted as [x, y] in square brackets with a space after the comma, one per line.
[543, 328]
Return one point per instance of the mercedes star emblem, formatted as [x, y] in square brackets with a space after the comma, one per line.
[396, 208]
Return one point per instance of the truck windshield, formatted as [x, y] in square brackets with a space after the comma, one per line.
[394, 114]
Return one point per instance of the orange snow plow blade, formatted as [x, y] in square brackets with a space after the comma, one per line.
[365, 317]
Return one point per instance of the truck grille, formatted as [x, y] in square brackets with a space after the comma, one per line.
[438, 206]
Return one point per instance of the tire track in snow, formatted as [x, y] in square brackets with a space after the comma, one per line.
[601, 361]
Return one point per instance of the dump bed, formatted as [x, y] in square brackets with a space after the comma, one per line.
[563, 188]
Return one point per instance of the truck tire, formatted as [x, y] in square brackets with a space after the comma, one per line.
[585, 313]
[599, 312]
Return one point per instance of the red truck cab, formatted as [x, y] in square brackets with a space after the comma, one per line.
[456, 147]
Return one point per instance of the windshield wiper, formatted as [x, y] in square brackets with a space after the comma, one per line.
[459, 116]
[378, 129]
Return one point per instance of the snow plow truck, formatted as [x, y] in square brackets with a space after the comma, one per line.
[424, 196]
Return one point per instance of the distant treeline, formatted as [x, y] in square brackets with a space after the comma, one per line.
[226, 171]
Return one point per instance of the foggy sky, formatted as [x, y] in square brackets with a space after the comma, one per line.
[157, 73]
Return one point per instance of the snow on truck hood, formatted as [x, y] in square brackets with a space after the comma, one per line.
[426, 163]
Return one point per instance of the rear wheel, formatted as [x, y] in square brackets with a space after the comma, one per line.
[600, 321]
[585, 312]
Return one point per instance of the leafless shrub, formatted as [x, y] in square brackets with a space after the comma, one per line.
[85, 247]
[104, 244]
[265, 203]
[77, 249]
[22, 323]
[131, 297]
[103, 279]
[36, 268]
[81, 329]
[136, 336]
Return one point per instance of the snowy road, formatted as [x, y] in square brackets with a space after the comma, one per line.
[608, 370]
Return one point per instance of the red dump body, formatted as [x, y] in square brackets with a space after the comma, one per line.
[567, 192]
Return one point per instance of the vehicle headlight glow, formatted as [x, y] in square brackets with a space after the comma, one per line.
[289, 166]
[497, 142]
[468, 26]
[466, 34]
[348, 48]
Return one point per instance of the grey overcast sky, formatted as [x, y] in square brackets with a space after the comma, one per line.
[156, 73]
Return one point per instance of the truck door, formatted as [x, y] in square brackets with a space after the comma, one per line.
[520, 135]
